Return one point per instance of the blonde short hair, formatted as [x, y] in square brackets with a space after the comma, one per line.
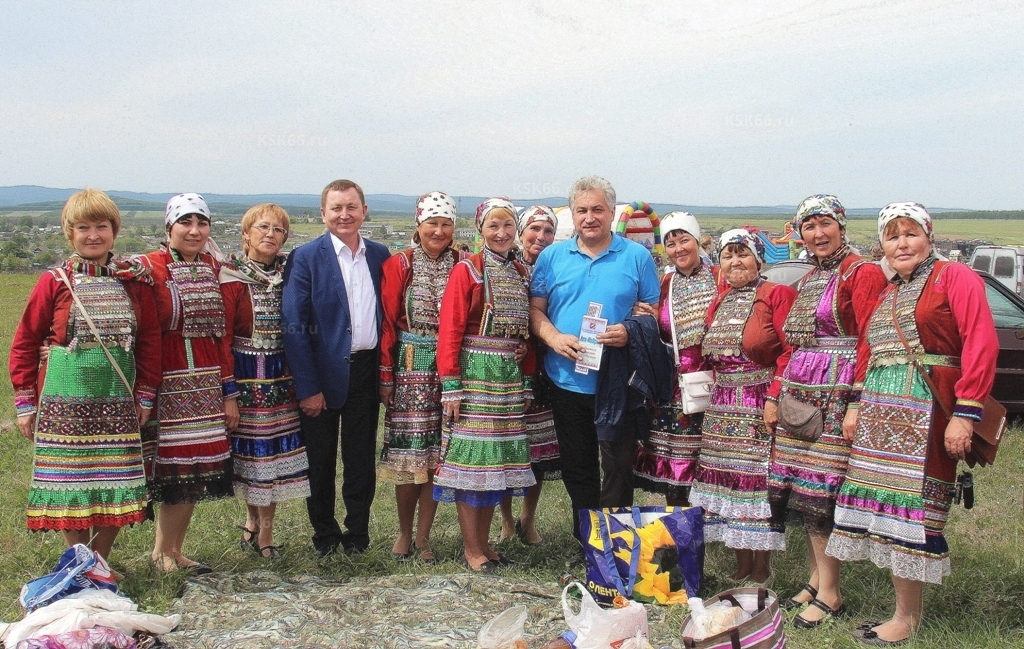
[89, 206]
[256, 212]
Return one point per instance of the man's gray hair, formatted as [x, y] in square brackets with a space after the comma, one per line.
[587, 183]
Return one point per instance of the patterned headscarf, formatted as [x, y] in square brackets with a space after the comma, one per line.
[680, 221]
[536, 213]
[435, 205]
[492, 204]
[821, 205]
[744, 238]
[183, 205]
[914, 211]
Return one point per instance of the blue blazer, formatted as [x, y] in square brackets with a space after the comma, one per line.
[315, 320]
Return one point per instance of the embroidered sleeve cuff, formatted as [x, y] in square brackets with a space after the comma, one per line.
[25, 402]
[774, 390]
[451, 389]
[230, 388]
[854, 399]
[146, 396]
[386, 376]
[968, 409]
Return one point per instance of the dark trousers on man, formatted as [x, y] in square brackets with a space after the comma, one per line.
[583, 457]
[358, 433]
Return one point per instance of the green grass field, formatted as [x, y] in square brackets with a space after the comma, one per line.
[980, 605]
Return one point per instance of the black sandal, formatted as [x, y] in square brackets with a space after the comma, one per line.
[274, 551]
[829, 612]
[248, 540]
[792, 603]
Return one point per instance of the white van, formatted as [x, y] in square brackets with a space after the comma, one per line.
[1005, 263]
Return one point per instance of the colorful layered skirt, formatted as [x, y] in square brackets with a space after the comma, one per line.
[87, 470]
[412, 425]
[667, 461]
[806, 476]
[889, 510]
[732, 473]
[270, 463]
[485, 455]
[545, 457]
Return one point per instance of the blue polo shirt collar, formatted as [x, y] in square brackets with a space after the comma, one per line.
[617, 245]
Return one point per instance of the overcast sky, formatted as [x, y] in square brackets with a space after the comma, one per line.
[709, 103]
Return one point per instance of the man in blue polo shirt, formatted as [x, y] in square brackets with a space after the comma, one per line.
[595, 267]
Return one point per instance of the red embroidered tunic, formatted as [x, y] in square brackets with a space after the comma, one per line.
[45, 320]
[763, 340]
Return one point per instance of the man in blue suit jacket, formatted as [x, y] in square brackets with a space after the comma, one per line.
[331, 317]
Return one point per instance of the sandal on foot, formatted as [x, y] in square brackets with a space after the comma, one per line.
[521, 533]
[272, 551]
[792, 602]
[829, 612]
[486, 567]
[870, 638]
[426, 555]
[248, 540]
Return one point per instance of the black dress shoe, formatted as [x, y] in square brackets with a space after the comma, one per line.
[327, 550]
[792, 602]
[503, 561]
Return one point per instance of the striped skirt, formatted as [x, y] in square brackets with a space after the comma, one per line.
[87, 469]
[269, 459]
[485, 455]
[193, 456]
[732, 473]
[412, 425]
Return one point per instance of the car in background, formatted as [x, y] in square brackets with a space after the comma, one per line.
[1007, 313]
[1005, 263]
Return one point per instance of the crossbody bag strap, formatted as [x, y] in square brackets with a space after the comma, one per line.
[672, 321]
[917, 364]
[92, 327]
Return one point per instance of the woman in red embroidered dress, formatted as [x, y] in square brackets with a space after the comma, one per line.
[893, 506]
[411, 288]
[666, 462]
[196, 404]
[87, 480]
[833, 304]
[484, 393]
[745, 346]
[268, 456]
[536, 225]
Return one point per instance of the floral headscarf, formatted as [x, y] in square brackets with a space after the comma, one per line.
[485, 208]
[433, 205]
[821, 205]
[914, 211]
[744, 238]
[541, 213]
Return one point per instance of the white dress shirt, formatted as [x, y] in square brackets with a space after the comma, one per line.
[362, 300]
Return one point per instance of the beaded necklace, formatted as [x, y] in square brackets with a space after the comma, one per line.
[724, 337]
[690, 297]
[886, 346]
[423, 296]
[506, 293]
[103, 296]
[198, 290]
[265, 292]
[801, 323]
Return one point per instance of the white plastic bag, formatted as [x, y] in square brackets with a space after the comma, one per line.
[503, 630]
[720, 616]
[598, 628]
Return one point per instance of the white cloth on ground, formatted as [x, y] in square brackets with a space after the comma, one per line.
[85, 610]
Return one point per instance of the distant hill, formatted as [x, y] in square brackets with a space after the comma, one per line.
[32, 197]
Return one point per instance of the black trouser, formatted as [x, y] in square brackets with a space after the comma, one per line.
[583, 457]
[358, 432]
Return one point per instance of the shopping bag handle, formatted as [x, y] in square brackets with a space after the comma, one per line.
[609, 554]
